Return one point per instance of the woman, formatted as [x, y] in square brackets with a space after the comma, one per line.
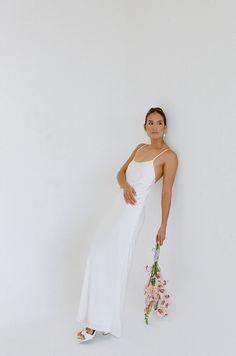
[108, 262]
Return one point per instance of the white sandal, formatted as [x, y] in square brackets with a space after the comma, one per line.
[88, 336]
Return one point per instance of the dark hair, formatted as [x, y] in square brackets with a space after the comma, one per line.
[159, 111]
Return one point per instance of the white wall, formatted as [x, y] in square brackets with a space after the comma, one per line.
[76, 80]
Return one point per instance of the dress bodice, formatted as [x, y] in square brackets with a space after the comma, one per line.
[141, 176]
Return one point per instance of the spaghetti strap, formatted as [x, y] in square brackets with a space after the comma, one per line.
[142, 146]
[160, 153]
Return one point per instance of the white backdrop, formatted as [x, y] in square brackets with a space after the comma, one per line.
[76, 80]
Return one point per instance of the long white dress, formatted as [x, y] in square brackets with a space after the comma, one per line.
[108, 261]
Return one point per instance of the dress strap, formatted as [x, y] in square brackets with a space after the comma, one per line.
[142, 146]
[160, 153]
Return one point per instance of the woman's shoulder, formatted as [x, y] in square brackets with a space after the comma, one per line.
[139, 145]
[170, 153]
[170, 150]
[142, 144]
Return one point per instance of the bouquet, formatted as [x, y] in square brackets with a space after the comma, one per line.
[156, 297]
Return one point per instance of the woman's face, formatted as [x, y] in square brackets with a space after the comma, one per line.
[155, 127]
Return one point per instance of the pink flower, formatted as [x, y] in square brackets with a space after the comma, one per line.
[155, 293]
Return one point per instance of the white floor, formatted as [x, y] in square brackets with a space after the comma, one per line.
[201, 320]
[185, 332]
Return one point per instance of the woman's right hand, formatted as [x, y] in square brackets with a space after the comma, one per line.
[129, 194]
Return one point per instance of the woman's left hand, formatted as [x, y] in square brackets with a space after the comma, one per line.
[161, 235]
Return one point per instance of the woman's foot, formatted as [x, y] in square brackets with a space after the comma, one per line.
[88, 330]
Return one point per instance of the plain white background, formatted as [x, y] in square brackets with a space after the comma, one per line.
[76, 80]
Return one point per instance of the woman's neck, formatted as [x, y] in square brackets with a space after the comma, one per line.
[158, 145]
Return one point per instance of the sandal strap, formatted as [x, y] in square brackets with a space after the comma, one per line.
[84, 331]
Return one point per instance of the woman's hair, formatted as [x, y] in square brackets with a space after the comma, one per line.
[159, 111]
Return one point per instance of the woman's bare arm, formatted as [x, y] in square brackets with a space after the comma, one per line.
[170, 168]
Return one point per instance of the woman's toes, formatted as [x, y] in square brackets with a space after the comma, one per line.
[80, 335]
[90, 331]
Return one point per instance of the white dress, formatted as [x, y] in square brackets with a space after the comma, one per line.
[108, 261]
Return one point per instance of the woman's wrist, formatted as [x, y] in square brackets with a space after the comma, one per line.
[163, 226]
[123, 185]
